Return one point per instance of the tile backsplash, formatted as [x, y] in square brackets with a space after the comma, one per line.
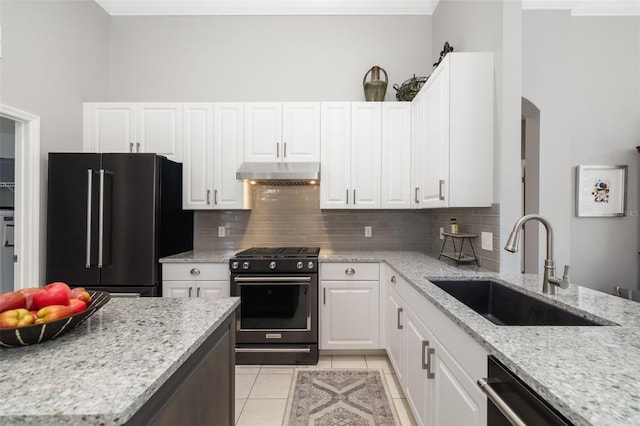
[291, 216]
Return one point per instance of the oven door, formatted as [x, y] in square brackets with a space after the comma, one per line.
[276, 309]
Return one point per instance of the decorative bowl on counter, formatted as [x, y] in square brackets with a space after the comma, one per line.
[36, 333]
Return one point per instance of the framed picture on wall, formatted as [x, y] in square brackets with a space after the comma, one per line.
[601, 191]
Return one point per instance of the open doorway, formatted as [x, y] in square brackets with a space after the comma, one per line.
[26, 186]
[530, 158]
[7, 202]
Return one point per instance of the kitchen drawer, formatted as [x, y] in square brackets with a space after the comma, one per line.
[349, 271]
[195, 271]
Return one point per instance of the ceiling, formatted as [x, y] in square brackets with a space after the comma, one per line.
[345, 7]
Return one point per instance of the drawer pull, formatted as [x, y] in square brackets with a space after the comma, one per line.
[350, 271]
[195, 271]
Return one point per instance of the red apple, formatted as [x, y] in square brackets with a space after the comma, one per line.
[56, 293]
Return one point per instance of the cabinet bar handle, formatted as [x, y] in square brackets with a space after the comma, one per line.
[198, 292]
[416, 195]
[215, 197]
[347, 191]
[190, 288]
[441, 189]
[277, 149]
[208, 194]
[101, 220]
[130, 146]
[400, 326]
[324, 296]
[354, 197]
[89, 187]
[137, 146]
[504, 408]
[425, 345]
[430, 351]
[285, 150]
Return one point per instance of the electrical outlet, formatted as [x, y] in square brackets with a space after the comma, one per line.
[441, 231]
[487, 241]
[222, 231]
[367, 231]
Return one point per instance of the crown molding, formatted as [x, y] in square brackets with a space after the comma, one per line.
[345, 7]
[587, 7]
[268, 7]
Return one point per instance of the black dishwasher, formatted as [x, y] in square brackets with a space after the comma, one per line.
[512, 402]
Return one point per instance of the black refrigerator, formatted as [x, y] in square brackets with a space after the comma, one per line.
[110, 217]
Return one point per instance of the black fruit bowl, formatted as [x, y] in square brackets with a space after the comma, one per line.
[31, 334]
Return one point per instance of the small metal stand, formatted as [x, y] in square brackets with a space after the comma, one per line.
[457, 255]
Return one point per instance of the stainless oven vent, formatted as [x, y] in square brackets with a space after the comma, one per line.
[280, 173]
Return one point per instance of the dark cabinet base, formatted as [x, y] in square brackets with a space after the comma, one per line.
[201, 391]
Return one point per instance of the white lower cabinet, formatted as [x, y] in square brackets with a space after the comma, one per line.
[195, 280]
[437, 364]
[349, 306]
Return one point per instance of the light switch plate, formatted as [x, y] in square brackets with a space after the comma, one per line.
[487, 241]
[367, 231]
[222, 231]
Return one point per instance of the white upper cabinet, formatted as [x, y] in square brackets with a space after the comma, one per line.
[213, 135]
[453, 134]
[350, 155]
[396, 155]
[335, 155]
[197, 156]
[228, 142]
[276, 131]
[366, 154]
[154, 127]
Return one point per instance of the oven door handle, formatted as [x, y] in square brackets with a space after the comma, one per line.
[273, 280]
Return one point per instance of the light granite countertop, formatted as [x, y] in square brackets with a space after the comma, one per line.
[590, 374]
[103, 371]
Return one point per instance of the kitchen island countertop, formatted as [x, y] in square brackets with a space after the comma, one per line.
[590, 374]
[103, 371]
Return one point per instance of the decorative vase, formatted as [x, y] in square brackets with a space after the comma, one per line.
[375, 89]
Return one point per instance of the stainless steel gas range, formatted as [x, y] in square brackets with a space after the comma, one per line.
[277, 321]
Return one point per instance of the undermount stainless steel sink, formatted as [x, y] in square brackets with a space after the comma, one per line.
[505, 306]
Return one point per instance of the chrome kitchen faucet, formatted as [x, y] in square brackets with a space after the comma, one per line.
[549, 281]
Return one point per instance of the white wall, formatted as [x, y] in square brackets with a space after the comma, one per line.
[493, 26]
[54, 56]
[584, 76]
[262, 58]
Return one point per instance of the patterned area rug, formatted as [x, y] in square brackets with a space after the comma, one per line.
[339, 398]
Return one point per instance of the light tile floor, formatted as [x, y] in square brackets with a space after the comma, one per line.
[262, 391]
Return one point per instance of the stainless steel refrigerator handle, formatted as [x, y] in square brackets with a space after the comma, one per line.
[493, 396]
[441, 189]
[101, 220]
[275, 280]
[274, 350]
[89, 185]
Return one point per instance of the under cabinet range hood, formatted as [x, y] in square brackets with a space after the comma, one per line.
[280, 173]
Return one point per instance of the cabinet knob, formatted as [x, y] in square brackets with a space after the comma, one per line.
[195, 271]
[393, 279]
[350, 271]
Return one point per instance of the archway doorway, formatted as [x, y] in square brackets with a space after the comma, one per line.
[27, 248]
[530, 158]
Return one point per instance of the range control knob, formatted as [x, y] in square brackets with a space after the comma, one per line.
[245, 265]
[310, 265]
[272, 265]
[234, 265]
[299, 265]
